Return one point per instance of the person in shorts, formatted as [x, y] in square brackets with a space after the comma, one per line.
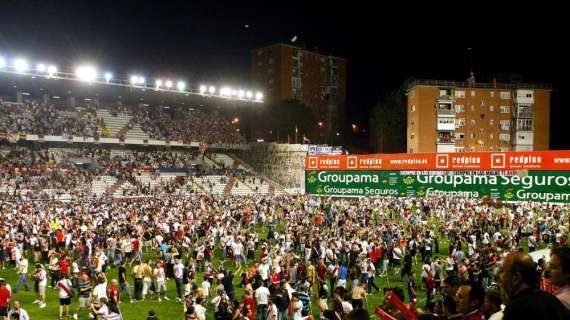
[85, 289]
[65, 293]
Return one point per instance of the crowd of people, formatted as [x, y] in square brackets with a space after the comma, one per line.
[59, 118]
[34, 171]
[178, 124]
[37, 117]
[296, 257]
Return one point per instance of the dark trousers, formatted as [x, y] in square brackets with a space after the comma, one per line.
[179, 287]
[138, 288]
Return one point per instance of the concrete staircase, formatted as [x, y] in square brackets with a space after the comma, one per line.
[229, 186]
[113, 188]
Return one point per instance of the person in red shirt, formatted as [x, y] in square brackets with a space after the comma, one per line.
[114, 293]
[4, 299]
[136, 244]
[63, 266]
[321, 271]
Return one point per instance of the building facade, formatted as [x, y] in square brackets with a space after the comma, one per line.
[287, 72]
[447, 116]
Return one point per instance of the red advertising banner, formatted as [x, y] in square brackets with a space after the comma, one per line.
[512, 160]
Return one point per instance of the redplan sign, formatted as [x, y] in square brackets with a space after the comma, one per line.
[472, 161]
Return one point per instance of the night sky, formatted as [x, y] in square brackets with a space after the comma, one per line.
[209, 41]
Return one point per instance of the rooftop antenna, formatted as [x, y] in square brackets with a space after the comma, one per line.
[471, 78]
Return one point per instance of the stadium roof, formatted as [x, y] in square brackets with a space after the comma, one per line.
[62, 89]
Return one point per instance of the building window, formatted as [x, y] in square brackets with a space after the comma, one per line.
[505, 95]
[460, 94]
[491, 108]
[472, 107]
[411, 150]
[412, 122]
[459, 149]
[524, 124]
[490, 148]
[445, 92]
[472, 135]
[270, 81]
[412, 136]
[492, 94]
[505, 137]
[481, 144]
[505, 109]
[492, 122]
[259, 63]
[459, 136]
[270, 70]
[491, 136]
[472, 93]
[260, 52]
[482, 103]
[472, 149]
[271, 60]
[472, 121]
[459, 108]
[413, 108]
[482, 130]
[460, 122]
[505, 125]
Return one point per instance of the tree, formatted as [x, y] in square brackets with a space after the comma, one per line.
[285, 116]
[388, 122]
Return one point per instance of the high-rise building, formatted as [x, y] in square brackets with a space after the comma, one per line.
[287, 72]
[448, 116]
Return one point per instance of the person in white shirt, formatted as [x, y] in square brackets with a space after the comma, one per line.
[102, 312]
[18, 313]
[40, 276]
[206, 285]
[178, 277]
[199, 309]
[261, 297]
[65, 291]
[160, 277]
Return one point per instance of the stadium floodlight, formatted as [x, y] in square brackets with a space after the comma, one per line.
[225, 92]
[52, 70]
[203, 89]
[158, 83]
[181, 85]
[2, 62]
[168, 84]
[41, 67]
[137, 80]
[212, 90]
[249, 94]
[108, 76]
[20, 65]
[86, 73]
[259, 96]
[240, 94]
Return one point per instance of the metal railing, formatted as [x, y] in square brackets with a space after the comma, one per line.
[486, 85]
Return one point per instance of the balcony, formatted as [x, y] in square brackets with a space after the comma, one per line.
[445, 138]
[523, 138]
[524, 112]
[446, 125]
[524, 96]
[445, 110]
[445, 148]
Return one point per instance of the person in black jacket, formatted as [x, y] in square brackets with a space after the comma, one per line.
[523, 298]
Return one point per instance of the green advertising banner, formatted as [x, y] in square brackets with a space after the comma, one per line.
[548, 186]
